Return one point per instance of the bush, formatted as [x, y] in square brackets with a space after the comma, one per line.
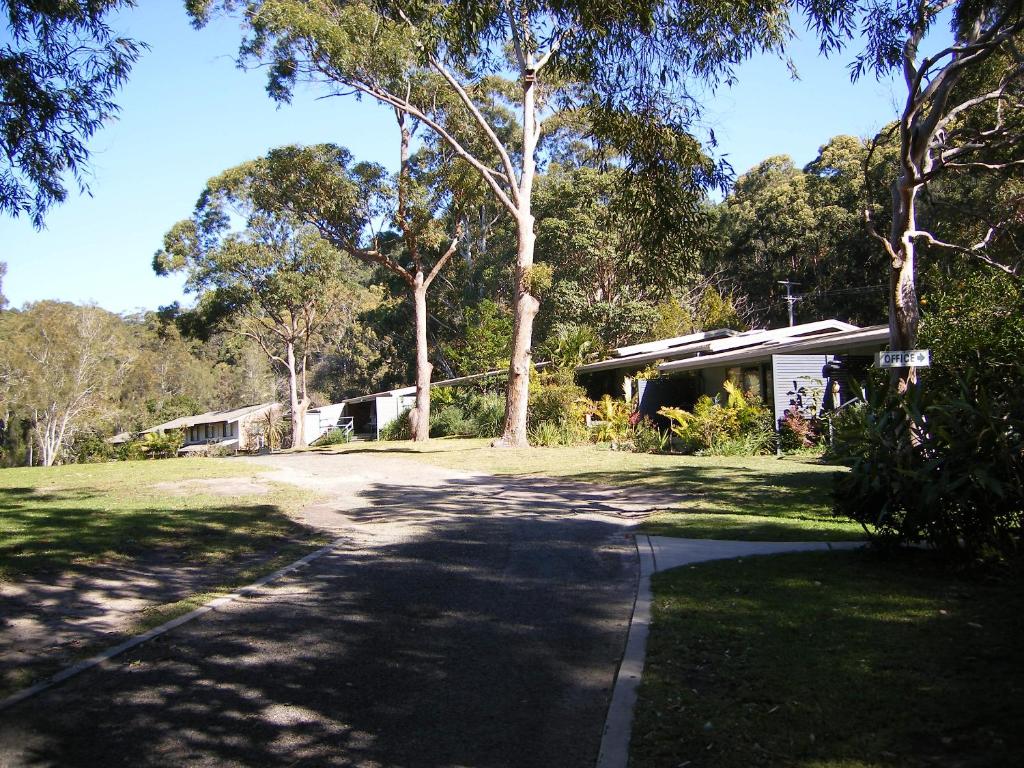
[741, 427]
[797, 432]
[91, 448]
[614, 423]
[129, 451]
[162, 445]
[333, 437]
[945, 471]
[399, 428]
[486, 411]
[557, 401]
[845, 428]
[549, 433]
[647, 438]
[451, 421]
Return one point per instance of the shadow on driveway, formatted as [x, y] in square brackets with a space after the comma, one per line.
[481, 630]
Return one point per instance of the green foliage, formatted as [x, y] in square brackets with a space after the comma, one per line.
[741, 427]
[399, 428]
[60, 67]
[570, 346]
[973, 318]
[129, 451]
[62, 367]
[703, 308]
[487, 411]
[333, 437]
[558, 408]
[944, 470]
[487, 343]
[781, 222]
[451, 421]
[647, 438]
[90, 448]
[162, 445]
[613, 420]
[602, 276]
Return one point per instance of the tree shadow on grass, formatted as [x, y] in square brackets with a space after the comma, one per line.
[882, 662]
[484, 632]
[78, 573]
[45, 532]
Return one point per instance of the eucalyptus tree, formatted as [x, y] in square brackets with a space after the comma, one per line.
[603, 276]
[60, 67]
[62, 366]
[962, 115]
[274, 280]
[625, 65]
[349, 203]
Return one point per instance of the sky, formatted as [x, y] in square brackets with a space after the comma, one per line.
[188, 113]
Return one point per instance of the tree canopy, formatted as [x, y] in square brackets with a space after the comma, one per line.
[274, 278]
[59, 72]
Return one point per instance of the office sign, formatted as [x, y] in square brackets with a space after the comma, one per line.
[916, 358]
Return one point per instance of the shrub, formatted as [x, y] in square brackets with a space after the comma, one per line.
[399, 428]
[614, 422]
[486, 411]
[91, 448]
[796, 431]
[450, 420]
[647, 438]
[333, 437]
[559, 402]
[948, 471]
[549, 433]
[130, 451]
[162, 445]
[743, 426]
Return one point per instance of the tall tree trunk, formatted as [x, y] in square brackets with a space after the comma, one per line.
[518, 395]
[298, 407]
[420, 415]
[904, 311]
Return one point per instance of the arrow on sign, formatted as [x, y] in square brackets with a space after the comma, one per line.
[917, 358]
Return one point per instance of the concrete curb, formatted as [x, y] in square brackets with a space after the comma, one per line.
[618, 726]
[104, 656]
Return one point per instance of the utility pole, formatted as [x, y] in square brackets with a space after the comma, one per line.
[791, 300]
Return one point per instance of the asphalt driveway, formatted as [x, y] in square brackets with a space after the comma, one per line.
[462, 621]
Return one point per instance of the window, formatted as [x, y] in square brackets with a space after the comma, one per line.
[752, 381]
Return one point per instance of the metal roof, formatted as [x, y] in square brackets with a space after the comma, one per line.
[210, 417]
[710, 342]
[858, 340]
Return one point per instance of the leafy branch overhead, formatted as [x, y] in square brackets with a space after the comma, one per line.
[60, 69]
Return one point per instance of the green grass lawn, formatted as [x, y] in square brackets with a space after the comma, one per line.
[51, 518]
[831, 660]
[756, 498]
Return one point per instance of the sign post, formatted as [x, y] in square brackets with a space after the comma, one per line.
[908, 358]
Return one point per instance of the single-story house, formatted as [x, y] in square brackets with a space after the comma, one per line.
[239, 429]
[806, 366]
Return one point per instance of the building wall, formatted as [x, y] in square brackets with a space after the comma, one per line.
[799, 383]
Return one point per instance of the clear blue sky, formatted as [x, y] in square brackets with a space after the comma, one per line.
[189, 113]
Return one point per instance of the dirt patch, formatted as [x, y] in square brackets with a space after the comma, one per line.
[216, 486]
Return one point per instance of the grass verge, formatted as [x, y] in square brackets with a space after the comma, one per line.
[754, 498]
[203, 510]
[831, 660]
